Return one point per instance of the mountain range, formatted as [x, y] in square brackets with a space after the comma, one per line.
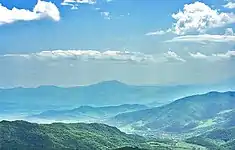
[191, 114]
[201, 121]
[217, 139]
[107, 93]
[86, 113]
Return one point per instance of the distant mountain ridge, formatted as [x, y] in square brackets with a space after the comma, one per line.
[87, 113]
[101, 94]
[188, 114]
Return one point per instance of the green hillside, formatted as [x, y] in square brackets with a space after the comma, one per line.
[26, 136]
[211, 110]
[217, 139]
[21, 135]
[229, 145]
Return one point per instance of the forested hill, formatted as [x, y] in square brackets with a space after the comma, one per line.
[22, 135]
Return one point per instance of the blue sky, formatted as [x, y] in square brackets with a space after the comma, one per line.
[74, 42]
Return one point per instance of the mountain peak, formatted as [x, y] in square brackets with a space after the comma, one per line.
[110, 82]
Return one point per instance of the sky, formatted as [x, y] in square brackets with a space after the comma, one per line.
[80, 42]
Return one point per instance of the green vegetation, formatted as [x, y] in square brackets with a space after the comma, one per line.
[206, 123]
[129, 148]
[27, 136]
[193, 113]
[21, 135]
[218, 139]
[193, 123]
[229, 145]
[208, 143]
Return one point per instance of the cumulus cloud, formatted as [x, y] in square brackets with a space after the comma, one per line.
[173, 56]
[229, 31]
[49, 9]
[41, 10]
[89, 55]
[213, 57]
[230, 5]
[199, 17]
[204, 38]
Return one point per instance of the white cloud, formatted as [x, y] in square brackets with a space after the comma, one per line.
[159, 32]
[230, 5]
[228, 54]
[86, 55]
[173, 56]
[41, 10]
[74, 3]
[229, 31]
[47, 9]
[199, 17]
[213, 57]
[106, 15]
[204, 38]
[74, 7]
[198, 55]
[80, 1]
